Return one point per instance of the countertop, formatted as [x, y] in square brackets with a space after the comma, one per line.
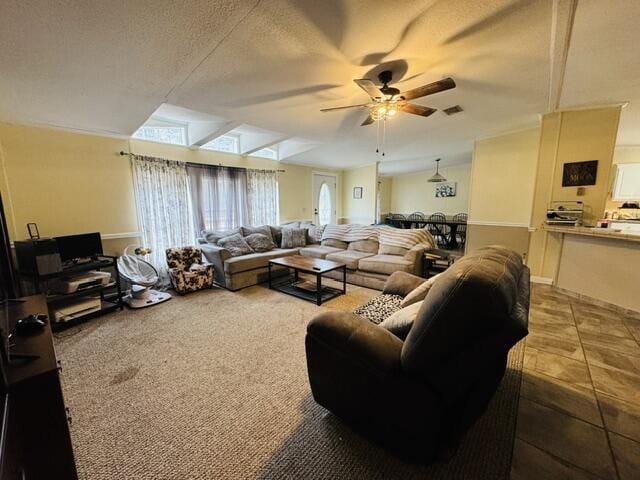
[594, 232]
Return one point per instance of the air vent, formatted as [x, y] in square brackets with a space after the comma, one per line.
[453, 110]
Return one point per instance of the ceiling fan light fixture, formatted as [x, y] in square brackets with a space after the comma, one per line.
[437, 178]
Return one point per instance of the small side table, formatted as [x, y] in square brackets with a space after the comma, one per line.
[434, 256]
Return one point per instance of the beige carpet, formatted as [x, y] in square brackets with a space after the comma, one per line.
[214, 386]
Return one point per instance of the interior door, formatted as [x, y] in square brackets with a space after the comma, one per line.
[324, 199]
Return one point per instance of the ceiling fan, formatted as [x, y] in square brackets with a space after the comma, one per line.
[387, 101]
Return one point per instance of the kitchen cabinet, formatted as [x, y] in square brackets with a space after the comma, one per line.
[627, 182]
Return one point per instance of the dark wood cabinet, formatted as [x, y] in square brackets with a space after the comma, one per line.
[36, 442]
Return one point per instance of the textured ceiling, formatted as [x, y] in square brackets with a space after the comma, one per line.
[106, 66]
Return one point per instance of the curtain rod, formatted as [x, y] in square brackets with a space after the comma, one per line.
[205, 165]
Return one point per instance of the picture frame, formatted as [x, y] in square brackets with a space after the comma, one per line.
[357, 192]
[579, 174]
[446, 189]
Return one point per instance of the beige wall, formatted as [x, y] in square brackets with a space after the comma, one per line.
[621, 155]
[503, 178]
[413, 192]
[515, 238]
[384, 185]
[604, 269]
[70, 182]
[501, 190]
[570, 137]
[360, 210]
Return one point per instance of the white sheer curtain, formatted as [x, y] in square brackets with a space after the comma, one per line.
[218, 196]
[262, 193]
[164, 212]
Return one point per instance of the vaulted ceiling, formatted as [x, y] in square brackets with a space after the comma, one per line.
[107, 66]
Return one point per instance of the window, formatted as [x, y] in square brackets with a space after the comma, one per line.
[224, 143]
[176, 135]
[271, 153]
[324, 205]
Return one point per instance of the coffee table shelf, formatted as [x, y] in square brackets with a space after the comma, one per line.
[306, 290]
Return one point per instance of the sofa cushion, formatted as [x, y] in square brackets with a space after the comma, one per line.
[318, 251]
[255, 260]
[212, 236]
[400, 322]
[263, 229]
[293, 237]
[349, 257]
[385, 264]
[419, 293]
[392, 250]
[330, 242]
[259, 242]
[235, 244]
[368, 246]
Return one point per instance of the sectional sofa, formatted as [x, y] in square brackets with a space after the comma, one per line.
[371, 254]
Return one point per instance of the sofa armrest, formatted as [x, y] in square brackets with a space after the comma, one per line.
[402, 283]
[416, 256]
[216, 256]
[357, 339]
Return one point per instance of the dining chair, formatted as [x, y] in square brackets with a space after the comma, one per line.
[396, 220]
[461, 232]
[439, 231]
[416, 218]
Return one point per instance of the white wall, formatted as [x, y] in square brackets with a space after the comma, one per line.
[361, 210]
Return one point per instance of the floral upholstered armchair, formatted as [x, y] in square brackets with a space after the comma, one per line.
[187, 271]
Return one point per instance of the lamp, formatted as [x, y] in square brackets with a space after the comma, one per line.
[436, 178]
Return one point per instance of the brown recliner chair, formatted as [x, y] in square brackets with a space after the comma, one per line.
[420, 395]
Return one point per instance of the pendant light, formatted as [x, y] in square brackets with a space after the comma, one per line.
[436, 176]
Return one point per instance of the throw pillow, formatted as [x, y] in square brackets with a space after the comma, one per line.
[418, 294]
[259, 242]
[330, 242]
[212, 236]
[276, 233]
[314, 234]
[294, 237]
[400, 322]
[379, 308]
[263, 229]
[235, 244]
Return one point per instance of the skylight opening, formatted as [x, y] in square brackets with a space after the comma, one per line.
[163, 132]
[269, 152]
[224, 143]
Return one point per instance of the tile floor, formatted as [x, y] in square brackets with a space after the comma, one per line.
[579, 412]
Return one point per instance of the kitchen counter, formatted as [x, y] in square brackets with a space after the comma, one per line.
[594, 232]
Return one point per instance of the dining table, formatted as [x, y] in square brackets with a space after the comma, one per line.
[453, 224]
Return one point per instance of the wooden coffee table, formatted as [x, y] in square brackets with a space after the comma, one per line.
[311, 291]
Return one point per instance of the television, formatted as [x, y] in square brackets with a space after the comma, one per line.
[83, 245]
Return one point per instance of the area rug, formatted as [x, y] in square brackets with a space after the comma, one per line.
[213, 385]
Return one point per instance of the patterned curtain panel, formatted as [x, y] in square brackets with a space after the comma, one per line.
[262, 193]
[162, 199]
[218, 197]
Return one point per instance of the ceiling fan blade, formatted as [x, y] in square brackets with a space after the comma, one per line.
[418, 109]
[362, 105]
[367, 121]
[369, 87]
[430, 89]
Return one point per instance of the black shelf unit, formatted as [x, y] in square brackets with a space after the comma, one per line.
[110, 294]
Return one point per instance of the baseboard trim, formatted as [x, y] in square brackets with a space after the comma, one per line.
[542, 280]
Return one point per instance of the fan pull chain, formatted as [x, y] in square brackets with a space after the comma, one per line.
[377, 137]
[384, 135]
